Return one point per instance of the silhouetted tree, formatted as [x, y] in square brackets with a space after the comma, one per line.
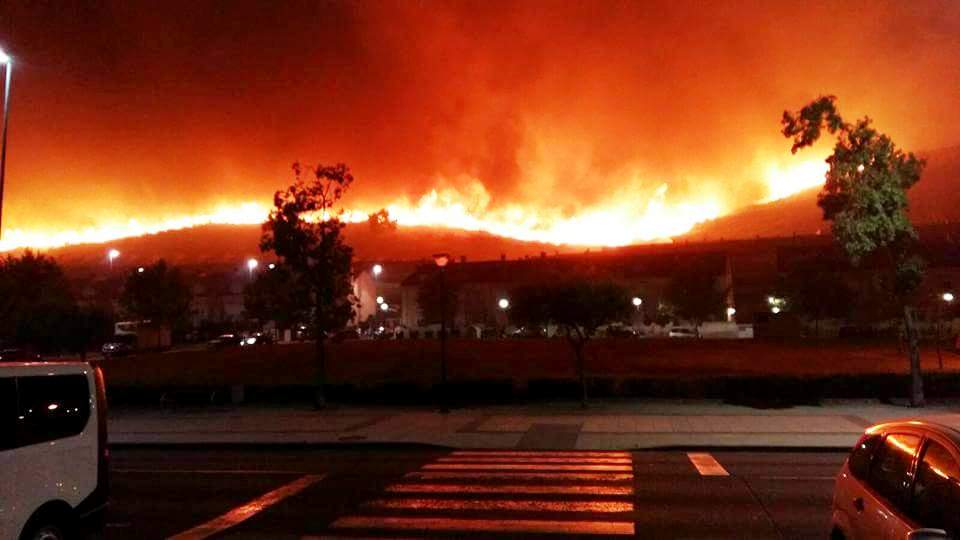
[277, 295]
[692, 292]
[815, 288]
[865, 198]
[88, 328]
[304, 230]
[380, 221]
[35, 302]
[577, 308]
[159, 294]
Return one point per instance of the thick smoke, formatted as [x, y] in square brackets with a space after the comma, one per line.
[123, 111]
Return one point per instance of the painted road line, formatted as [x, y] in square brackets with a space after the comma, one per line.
[520, 475]
[524, 459]
[520, 489]
[513, 505]
[525, 466]
[706, 465]
[248, 510]
[547, 453]
[205, 471]
[492, 525]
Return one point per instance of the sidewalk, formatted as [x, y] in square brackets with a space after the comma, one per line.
[616, 425]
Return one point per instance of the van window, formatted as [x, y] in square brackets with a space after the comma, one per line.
[8, 412]
[862, 455]
[936, 494]
[890, 473]
[51, 407]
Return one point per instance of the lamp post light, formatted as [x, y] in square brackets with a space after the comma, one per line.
[731, 311]
[7, 64]
[111, 255]
[441, 260]
[377, 270]
[384, 307]
[637, 302]
[252, 265]
[503, 303]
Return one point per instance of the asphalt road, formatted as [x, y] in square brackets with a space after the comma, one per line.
[414, 493]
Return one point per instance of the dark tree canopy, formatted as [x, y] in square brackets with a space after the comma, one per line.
[815, 288]
[305, 232]
[277, 295]
[380, 221]
[159, 294]
[692, 293]
[36, 302]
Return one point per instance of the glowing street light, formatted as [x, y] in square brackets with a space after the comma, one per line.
[775, 310]
[141, 270]
[379, 300]
[252, 265]
[731, 311]
[948, 297]
[384, 307]
[271, 266]
[637, 302]
[111, 255]
[7, 64]
[377, 270]
[503, 303]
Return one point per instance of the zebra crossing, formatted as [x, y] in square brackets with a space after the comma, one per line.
[504, 492]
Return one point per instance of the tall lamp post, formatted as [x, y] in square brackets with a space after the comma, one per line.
[947, 298]
[7, 64]
[112, 255]
[442, 259]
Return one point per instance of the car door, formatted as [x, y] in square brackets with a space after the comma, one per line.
[880, 507]
[936, 492]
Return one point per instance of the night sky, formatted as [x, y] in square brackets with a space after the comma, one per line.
[149, 109]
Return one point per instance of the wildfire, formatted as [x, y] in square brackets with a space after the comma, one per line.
[628, 216]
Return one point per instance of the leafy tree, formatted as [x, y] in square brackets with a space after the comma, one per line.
[87, 328]
[380, 221]
[692, 293]
[816, 289]
[304, 230]
[577, 308]
[35, 302]
[276, 295]
[865, 198]
[431, 294]
[159, 294]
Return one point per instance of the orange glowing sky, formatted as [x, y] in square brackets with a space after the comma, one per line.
[597, 123]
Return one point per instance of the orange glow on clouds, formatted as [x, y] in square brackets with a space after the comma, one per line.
[628, 216]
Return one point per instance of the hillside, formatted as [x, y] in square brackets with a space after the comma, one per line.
[212, 245]
[935, 199]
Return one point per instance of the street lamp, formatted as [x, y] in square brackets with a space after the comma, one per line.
[252, 265]
[775, 310]
[948, 299]
[731, 311]
[384, 306]
[377, 270]
[379, 300]
[7, 64]
[140, 270]
[637, 302]
[441, 260]
[111, 255]
[503, 303]
[271, 266]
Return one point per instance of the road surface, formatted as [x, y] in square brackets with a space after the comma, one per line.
[303, 493]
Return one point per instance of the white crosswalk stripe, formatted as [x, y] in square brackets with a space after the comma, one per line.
[505, 492]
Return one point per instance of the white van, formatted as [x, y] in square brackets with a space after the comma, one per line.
[53, 450]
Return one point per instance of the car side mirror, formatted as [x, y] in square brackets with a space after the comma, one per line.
[928, 534]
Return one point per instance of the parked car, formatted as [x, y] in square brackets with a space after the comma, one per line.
[224, 341]
[53, 450]
[120, 345]
[901, 481]
[683, 332]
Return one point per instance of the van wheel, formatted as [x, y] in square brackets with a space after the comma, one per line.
[47, 532]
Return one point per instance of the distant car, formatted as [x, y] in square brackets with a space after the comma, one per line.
[255, 339]
[529, 332]
[18, 355]
[225, 341]
[53, 451]
[619, 330]
[682, 332]
[901, 481]
[121, 345]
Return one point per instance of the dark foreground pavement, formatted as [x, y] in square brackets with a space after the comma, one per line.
[414, 493]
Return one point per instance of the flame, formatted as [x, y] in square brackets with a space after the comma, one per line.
[783, 182]
[630, 215]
